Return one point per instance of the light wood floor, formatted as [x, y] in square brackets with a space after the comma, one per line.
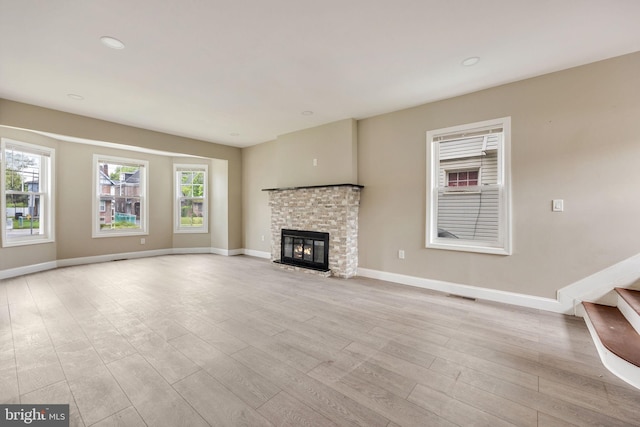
[208, 340]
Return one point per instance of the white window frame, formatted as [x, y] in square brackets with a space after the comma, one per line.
[97, 232]
[46, 188]
[178, 168]
[503, 245]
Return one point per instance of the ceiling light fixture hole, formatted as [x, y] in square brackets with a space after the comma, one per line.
[112, 42]
[472, 60]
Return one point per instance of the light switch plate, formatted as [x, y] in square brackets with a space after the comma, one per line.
[557, 205]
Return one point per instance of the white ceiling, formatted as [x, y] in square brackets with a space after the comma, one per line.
[210, 69]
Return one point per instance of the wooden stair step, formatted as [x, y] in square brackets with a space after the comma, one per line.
[614, 331]
[631, 296]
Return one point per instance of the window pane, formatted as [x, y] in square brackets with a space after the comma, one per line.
[468, 215]
[23, 215]
[121, 203]
[191, 212]
[22, 171]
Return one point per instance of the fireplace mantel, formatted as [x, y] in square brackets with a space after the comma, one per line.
[313, 186]
[329, 209]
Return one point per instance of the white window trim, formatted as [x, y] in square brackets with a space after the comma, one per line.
[48, 176]
[177, 227]
[144, 197]
[504, 244]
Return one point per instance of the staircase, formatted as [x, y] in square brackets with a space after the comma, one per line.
[616, 333]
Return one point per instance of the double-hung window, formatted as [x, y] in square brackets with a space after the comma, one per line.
[120, 205]
[468, 184]
[191, 210]
[27, 186]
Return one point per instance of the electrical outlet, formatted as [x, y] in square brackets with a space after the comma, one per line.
[315, 162]
[262, 237]
[401, 253]
[142, 241]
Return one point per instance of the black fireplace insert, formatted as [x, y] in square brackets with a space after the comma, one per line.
[308, 249]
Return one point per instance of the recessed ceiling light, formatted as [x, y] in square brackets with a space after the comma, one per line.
[473, 60]
[307, 113]
[75, 97]
[112, 42]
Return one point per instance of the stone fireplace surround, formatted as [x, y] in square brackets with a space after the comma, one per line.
[330, 209]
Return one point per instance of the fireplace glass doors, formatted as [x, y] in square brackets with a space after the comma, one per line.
[305, 249]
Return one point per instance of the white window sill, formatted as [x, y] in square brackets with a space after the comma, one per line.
[102, 234]
[191, 231]
[467, 246]
[36, 240]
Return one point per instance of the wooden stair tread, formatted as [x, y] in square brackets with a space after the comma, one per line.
[631, 296]
[615, 332]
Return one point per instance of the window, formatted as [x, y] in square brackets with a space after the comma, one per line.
[27, 186]
[191, 213]
[468, 182]
[463, 178]
[120, 202]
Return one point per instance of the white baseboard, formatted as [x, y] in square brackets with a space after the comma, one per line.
[258, 254]
[186, 251]
[69, 262]
[27, 269]
[596, 287]
[111, 257]
[522, 300]
[226, 252]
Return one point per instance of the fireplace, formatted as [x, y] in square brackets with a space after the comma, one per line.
[308, 249]
[323, 210]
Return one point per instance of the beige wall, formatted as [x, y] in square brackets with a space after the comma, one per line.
[333, 145]
[288, 162]
[574, 137]
[74, 163]
[259, 166]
